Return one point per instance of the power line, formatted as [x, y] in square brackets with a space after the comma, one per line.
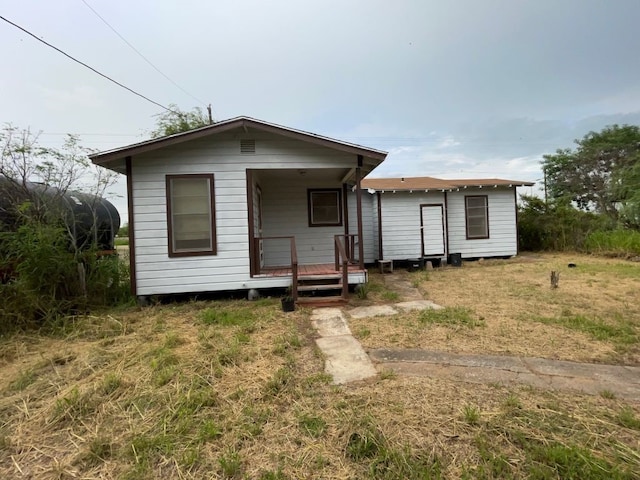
[87, 66]
[140, 54]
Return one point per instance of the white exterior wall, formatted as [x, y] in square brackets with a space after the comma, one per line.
[285, 213]
[401, 236]
[369, 231]
[156, 273]
[401, 223]
[503, 238]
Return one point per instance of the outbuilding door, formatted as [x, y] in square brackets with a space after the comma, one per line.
[432, 230]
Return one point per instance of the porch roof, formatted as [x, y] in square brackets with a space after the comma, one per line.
[432, 183]
[114, 159]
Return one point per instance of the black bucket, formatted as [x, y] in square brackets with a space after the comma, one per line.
[454, 259]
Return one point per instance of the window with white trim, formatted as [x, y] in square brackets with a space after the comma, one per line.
[477, 216]
[191, 215]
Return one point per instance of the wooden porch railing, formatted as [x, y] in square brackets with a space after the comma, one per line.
[342, 261]
[294, 260]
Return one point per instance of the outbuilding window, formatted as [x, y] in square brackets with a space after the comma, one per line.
[325, 207]
[191, 215]
[477, 216]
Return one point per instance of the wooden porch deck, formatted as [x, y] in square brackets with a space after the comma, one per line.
[307, 270]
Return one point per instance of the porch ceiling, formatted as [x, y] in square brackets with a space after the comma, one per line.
[324, 175]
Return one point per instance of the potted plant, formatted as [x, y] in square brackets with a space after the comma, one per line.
[288, 302]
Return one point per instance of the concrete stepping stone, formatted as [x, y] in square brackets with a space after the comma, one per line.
[345, 359]
[329, 322]
[372, 311]
[417, 305]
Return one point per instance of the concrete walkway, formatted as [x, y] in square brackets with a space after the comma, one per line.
[345, 359]
[622, 381]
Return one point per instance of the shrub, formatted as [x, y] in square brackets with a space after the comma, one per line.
[45, 278]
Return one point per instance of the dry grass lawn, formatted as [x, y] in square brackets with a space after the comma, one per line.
[233, 389]
[593, 316]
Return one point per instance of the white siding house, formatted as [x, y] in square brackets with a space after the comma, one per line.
[204, 206]
[244, 204]
[425, 217]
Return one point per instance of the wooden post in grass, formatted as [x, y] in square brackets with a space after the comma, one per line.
[555, 278]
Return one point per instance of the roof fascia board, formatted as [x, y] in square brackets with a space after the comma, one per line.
[224, 126]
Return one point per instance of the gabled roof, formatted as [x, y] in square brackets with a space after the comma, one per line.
[106, 157]
[431, 183]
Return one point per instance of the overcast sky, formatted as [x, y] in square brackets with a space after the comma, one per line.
[459, 88]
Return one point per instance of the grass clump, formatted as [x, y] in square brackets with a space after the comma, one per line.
[471, 414]
[227, 317]
[312, 425]
[621, 333]
[24, 379]
[367, 444]
[627, 418]
[450, 316]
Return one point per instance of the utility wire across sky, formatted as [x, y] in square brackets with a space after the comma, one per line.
[88, 66]
[140, 54]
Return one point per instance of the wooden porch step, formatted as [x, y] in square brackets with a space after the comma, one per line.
[333, 301]
[312, 288]
[326, 276]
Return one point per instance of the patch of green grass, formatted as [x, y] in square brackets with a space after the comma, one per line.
[450, 316]
[230, 464]
[287, 343]
[471, 414]
[172, 340]
[24, 379]
[73, 406]
[627, 418]
[362, 332]
[621, 333]
[512, 402]
[100, 450]
[227, 317]
[551, 460]
[279, 382]
[164, 365]
[273, 475]
[387, 374]
[111, 383]
[208, 431]
[390, 296]
[120, 241]
[368, 444]
[147, 447]
[312, 425]
[362, 291]
[608, 394]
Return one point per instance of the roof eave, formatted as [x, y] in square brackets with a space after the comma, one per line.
[149, 145]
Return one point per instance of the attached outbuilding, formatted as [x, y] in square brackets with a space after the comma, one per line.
[431, 218]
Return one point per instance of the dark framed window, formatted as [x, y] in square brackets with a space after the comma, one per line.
[191, 215]
[477, 216]
[325, 207]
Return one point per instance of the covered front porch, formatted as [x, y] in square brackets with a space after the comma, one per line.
[306, 225]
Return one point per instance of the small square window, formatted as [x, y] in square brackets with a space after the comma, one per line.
[325, 207]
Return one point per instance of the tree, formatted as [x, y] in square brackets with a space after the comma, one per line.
[602, 174]
[177, 121]
[48, 265]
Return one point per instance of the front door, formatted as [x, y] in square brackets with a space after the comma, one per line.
[432, 230]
